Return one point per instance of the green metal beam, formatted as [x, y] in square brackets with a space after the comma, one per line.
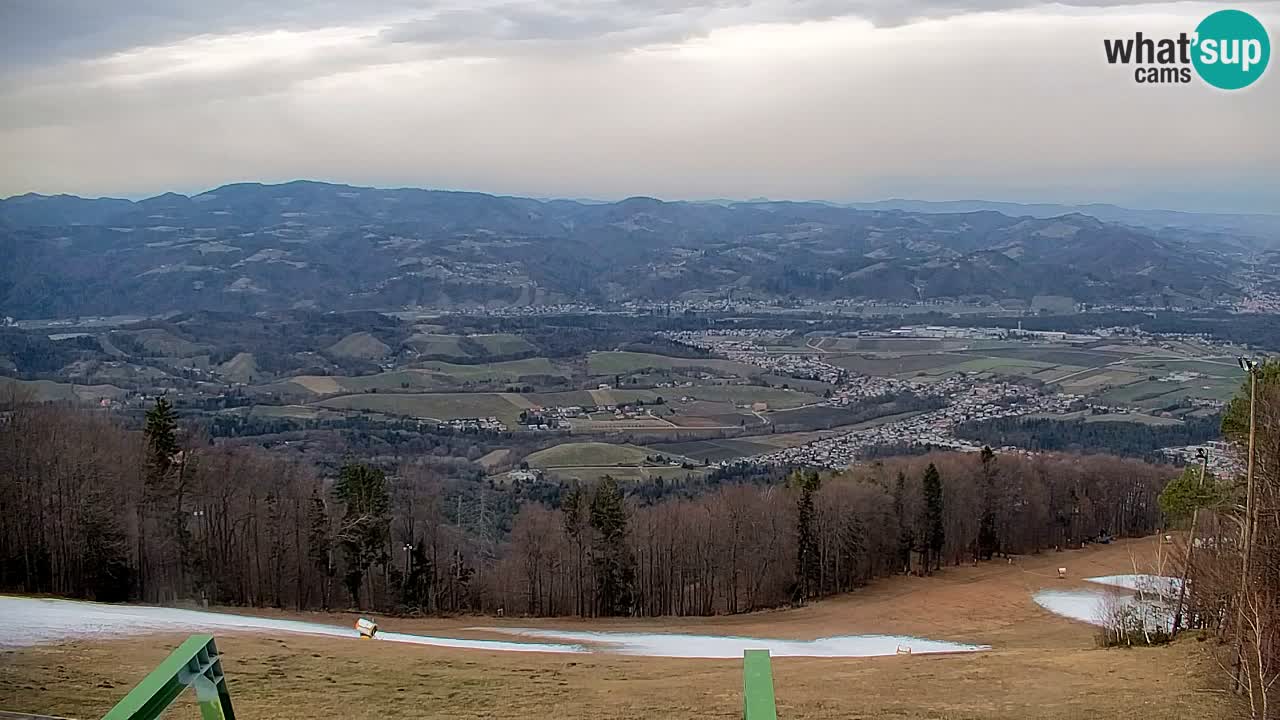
[194, 664]
[757, 686]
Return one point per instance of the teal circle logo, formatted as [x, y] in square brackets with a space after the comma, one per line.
[1232, 49]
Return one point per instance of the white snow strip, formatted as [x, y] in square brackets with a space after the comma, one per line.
[38, 621]
[717, 646]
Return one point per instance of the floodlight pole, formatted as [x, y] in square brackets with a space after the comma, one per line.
[1251, 367]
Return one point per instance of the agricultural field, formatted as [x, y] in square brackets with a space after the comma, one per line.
[712, 451]
[717, 402]
[776, 398]
[393, 381]
[1155, 394]
[588, 454]
[1209, 368]
[623, 396]
[719, 450]
[48, 391]
[893, 364]
[594, 426]
[1057, 355]
[502, 344]
[1115, 372]
[621, 363]
[587, 398]
[509, 371]
[590, 461]
[431, 406]
[438, 345]
[1092, 381]
[431, 376]
[890, 344]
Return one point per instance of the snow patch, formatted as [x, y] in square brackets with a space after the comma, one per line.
[1152, 595]
[39, 621]
[719, 646]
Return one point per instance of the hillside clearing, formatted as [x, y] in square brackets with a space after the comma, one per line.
[360, 346]
[243, 368]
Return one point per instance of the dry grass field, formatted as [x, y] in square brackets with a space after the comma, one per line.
[1040, 665]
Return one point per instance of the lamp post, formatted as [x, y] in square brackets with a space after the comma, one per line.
[408, 560]
[1203, 456]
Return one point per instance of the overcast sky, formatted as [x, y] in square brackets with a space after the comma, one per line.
[802, 99]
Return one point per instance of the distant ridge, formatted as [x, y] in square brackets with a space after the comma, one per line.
[252, 246]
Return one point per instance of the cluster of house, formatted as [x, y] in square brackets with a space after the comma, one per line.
[560, 417]
[861, 387]
[1224, 459]
[968, 399]
[484, 424]
[1260, 302]
[744, 346]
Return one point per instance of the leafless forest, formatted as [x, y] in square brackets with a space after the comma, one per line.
[88, 509]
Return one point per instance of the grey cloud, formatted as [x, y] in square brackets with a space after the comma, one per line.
[832, 121]
[38, 32]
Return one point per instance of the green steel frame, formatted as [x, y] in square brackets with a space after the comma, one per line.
[194, 664]
[757, 686]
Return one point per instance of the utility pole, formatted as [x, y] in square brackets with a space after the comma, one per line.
[1191, 544]
[1252, 368]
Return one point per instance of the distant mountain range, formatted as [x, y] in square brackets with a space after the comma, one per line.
[1257, 226]
[249, 247]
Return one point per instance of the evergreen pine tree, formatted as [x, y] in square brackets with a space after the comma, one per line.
[935, 534]
[807, 570]
[988, 537]
[611, 558]
[160, 431]
[366, 521]
[574, 517]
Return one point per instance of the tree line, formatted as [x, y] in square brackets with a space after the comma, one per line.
[91, 509]
[1132, 439]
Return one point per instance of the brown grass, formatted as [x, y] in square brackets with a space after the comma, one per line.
[1042, 666]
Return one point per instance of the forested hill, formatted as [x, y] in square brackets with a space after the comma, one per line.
[251, 247]
[1133, 439]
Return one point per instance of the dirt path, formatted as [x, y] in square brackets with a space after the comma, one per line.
[1041, 665]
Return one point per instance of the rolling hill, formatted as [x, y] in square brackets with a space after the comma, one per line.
[251, 247]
